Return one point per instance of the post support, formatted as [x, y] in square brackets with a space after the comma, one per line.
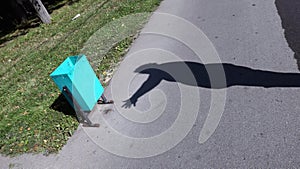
[81, 115]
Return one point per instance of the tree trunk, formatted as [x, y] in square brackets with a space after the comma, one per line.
[41, 11]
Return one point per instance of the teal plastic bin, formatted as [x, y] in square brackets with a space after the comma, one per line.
[77, 75]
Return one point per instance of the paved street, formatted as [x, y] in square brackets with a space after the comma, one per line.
[207, 84]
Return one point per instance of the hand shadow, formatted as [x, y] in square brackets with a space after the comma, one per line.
[127, 103]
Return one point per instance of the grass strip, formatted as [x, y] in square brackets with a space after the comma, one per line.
[27, 123]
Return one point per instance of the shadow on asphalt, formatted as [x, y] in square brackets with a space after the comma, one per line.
[289, 12]
[210, 76]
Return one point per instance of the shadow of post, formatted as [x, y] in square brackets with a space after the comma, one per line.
[62, 105]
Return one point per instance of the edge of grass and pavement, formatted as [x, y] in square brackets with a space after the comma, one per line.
[28, 121]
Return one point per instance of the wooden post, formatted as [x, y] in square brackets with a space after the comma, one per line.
[41, 11]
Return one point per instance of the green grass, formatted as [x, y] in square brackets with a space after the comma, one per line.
[27, 123]
[111, 60]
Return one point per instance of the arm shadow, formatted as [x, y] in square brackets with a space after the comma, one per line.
[213, 76]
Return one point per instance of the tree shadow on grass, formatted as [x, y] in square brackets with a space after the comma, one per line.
[16, 17]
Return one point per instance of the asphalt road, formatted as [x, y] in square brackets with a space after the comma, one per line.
[174, 108]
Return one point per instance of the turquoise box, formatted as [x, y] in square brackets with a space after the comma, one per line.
[78, 76]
